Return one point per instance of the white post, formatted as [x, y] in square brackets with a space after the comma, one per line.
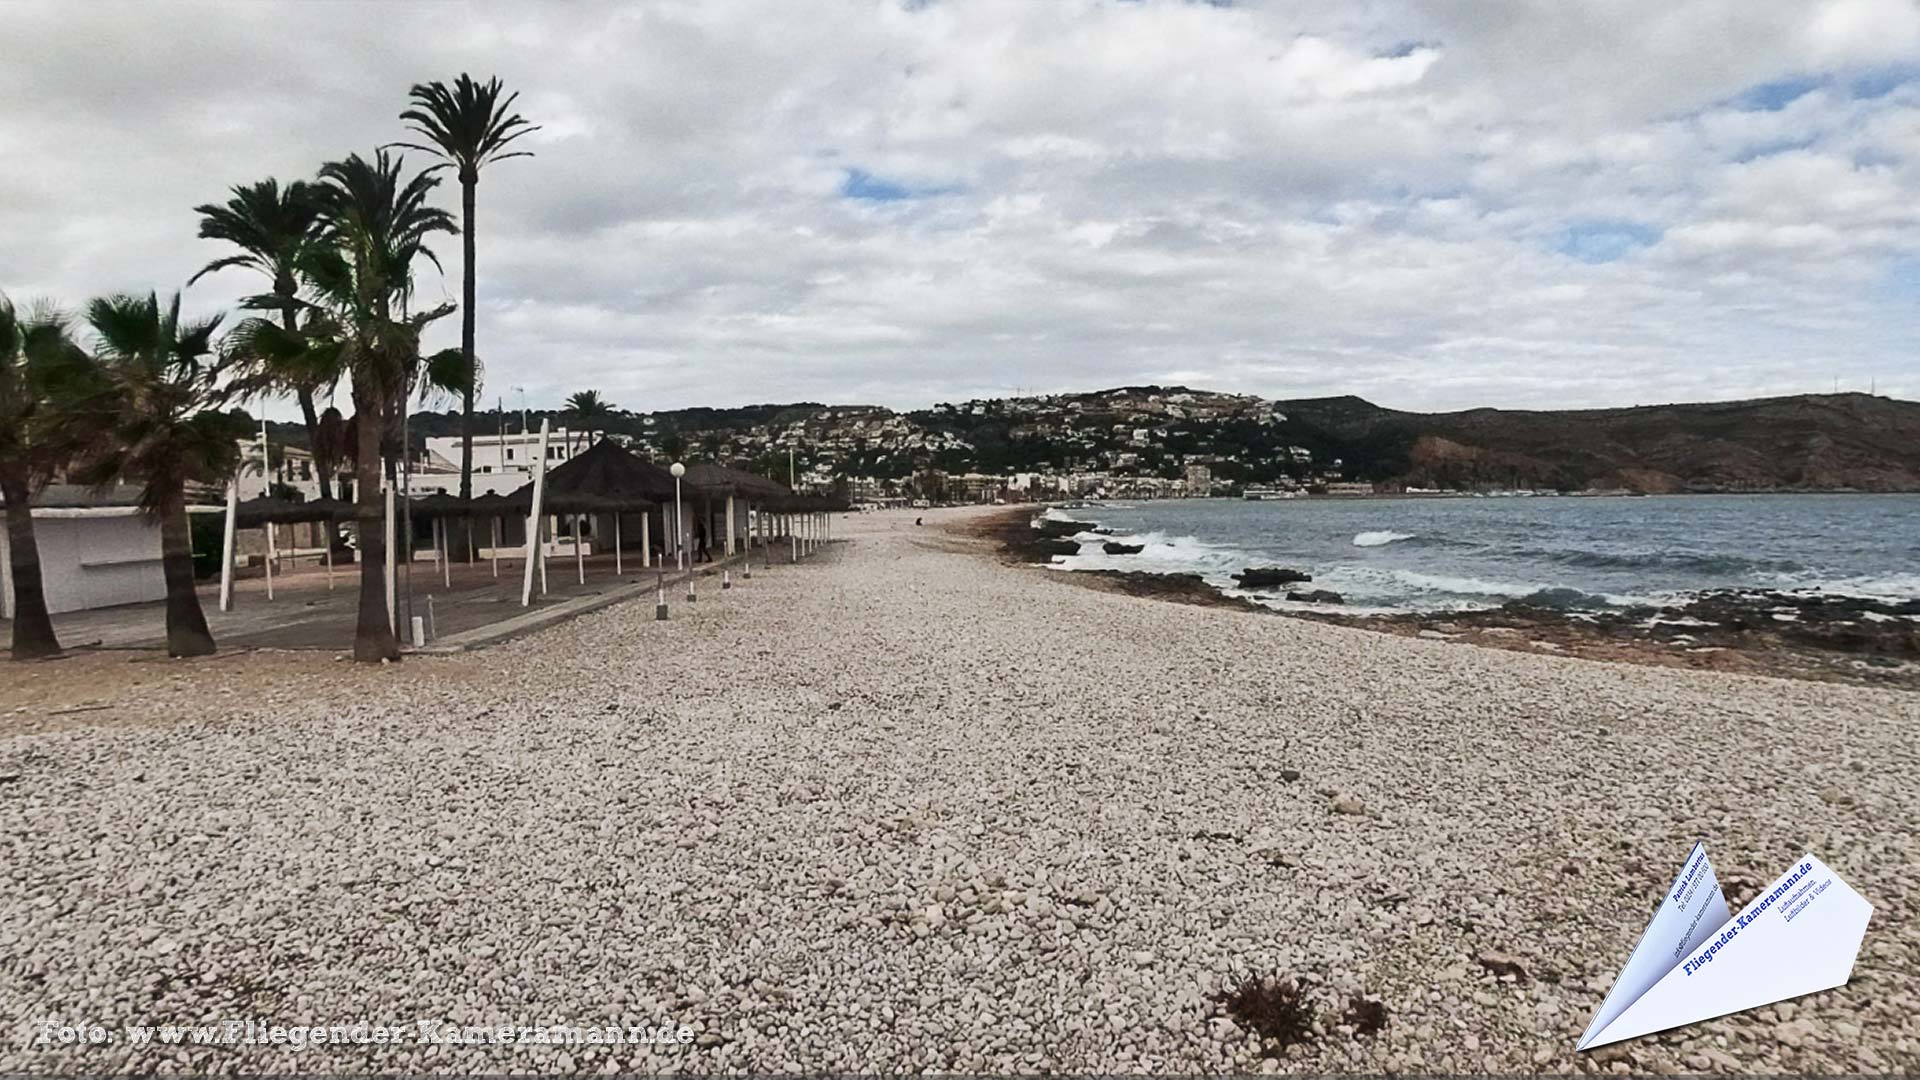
[226, 547]
[646, 539]
[679, 529]
[393, 600]
[266, 491]
[579, 560]
[533, 520]
[446, 557]
[729, 526]
[617, 570]
[327, 539]
[496, 546]
[548, 530]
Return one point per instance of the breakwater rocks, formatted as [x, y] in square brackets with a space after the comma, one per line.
[1060, 529]
[1114, 547]
[1812, 635]
[1316, 596]
[1270, 577]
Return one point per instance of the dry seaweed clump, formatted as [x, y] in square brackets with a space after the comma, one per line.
[1273, 1008]
[1365, 1016]
[1281, 1013]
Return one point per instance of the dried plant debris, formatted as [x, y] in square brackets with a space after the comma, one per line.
[1365, 1015]
[1280, 1010]
[1275, 1009]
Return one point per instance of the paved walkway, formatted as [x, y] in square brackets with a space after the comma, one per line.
[308, 613]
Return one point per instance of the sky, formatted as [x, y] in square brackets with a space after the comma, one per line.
[1516, 203]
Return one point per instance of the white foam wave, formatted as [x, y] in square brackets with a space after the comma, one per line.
[1873, 586]
[1160, 553]
[1379, 538]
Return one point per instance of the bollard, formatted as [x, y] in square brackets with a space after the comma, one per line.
[746, 565]
[419, 631]
[660, 609]
[690, 597]
[726, 579]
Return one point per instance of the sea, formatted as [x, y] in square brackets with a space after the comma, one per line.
[1388, 555]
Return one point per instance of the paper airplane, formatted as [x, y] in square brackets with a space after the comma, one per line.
[1694, 962]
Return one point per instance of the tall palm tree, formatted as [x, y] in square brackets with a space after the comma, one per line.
[273, 227]
[586, 407]
[467, 126]
[160, 402]
[375, 224]
[40, 370]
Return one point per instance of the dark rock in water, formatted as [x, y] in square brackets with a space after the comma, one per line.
[1115, 548]
[1316, 596]
[1101, 530]
[1054, 529]
[1267, 577]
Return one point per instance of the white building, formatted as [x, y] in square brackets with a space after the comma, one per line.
[510, 453]
[95, 551]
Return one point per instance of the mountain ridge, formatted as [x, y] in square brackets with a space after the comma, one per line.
[1848, 441]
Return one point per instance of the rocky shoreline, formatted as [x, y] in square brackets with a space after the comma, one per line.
[1803, 635]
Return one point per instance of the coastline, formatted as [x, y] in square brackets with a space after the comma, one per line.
[1742, 639]
[903, 808]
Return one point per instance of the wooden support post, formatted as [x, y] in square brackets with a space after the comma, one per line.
[226, 548]
[393, 597]
[533, 521]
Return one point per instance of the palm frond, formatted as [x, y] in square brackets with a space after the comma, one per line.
[469, 124]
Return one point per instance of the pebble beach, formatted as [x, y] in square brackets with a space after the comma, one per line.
[909, 807]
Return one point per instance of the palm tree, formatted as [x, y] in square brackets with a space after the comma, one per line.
[375, 223]
[273, 227]
[39, 369]
[159, 400]
[468, 127]
[586, 407]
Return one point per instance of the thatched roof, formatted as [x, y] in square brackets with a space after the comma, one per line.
[253, 513]
[718, 479]
[604, 477]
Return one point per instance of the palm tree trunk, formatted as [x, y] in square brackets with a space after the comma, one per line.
[373, 638]
[33, 636]
[467, 187]
[466, 337]
[187, 631]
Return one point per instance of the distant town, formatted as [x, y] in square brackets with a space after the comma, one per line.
[1131, 442]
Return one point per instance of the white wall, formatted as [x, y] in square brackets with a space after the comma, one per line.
[94, 561]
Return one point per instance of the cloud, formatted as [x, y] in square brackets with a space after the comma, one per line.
[1515, 203]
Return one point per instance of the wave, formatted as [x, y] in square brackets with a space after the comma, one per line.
[1725, 564]
[1379, 538]
[1160, 553]
[1896, 586]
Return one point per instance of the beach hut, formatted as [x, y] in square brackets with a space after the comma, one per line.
[605, 481]
[265, 513]
[742, 492]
